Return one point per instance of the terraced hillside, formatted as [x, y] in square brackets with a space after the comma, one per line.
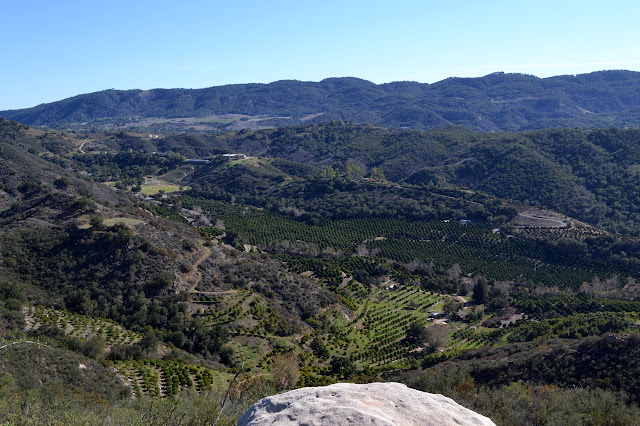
[159, 378]
[82, 326]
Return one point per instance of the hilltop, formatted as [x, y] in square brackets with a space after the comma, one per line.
[496, 102]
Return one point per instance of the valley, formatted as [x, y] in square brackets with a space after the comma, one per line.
[177, 267]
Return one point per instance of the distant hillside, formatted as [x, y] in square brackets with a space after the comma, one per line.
[589, 175]
[498, 101]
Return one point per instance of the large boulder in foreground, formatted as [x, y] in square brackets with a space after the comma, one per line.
[370, 404]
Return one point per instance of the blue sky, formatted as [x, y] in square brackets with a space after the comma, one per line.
[55, 50]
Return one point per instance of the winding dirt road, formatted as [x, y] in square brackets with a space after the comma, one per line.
[196, 271]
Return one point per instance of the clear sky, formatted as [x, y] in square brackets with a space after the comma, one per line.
[53, 50]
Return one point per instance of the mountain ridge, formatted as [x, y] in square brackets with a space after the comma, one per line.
[495, 102]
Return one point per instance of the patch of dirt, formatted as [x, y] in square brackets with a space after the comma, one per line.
[249, 247]
[541, 218]
[345, 281]
[345, 312]
[29, 319]
[511, 319]
[311, 116]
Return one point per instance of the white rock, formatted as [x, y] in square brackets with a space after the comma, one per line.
[351, 404]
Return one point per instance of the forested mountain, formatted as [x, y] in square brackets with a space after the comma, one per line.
[508, 102]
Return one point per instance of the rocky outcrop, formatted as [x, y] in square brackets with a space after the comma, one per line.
[370, 404]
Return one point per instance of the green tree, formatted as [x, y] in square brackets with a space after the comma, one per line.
[451, 305]
[342, 366]
[318, 348]
[377, 174]
[480, 291]
[352, 170]
[417, 333]
[97, 222]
